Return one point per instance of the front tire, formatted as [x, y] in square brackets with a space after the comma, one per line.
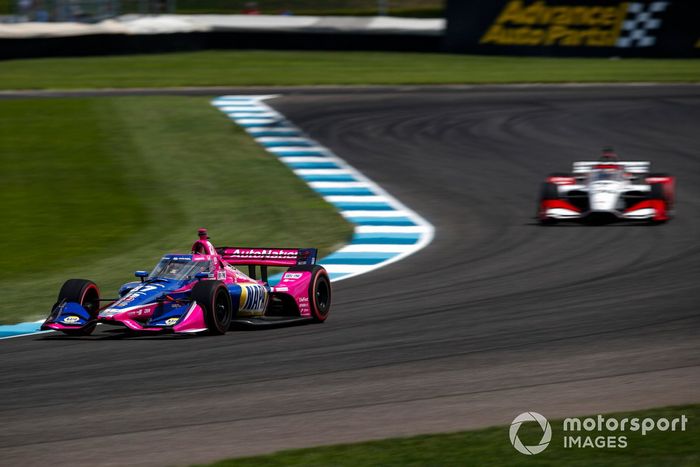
[215, 300]
[657, 192]
[549, 191]
[87, 294]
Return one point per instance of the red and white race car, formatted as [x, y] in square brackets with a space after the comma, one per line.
[607, 190]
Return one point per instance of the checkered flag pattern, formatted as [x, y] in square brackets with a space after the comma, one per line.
[641, 21]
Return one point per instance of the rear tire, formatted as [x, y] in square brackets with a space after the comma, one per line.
[319, 291]
[215, 300]
[87, 294]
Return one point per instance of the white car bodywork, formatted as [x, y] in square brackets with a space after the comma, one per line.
[610, 189]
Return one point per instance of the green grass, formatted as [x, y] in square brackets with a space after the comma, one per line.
[97, 188]
[256, 68]
[491, 447]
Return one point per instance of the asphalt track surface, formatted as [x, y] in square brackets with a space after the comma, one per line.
[497, 316]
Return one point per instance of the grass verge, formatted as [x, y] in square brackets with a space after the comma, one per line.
[258, 68]
[98, 188]
[492, 447]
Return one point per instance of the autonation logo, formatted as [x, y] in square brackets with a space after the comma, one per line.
[610, 432]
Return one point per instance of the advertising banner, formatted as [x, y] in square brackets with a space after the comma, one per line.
[639, 28]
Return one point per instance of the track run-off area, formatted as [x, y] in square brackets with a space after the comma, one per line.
[496, 316]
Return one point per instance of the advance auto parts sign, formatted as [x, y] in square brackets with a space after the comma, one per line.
[574, 27]
[570, 26]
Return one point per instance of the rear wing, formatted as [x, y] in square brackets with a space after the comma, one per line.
[630, 167]
[284, 257]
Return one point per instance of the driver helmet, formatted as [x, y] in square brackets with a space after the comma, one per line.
[608, 154]
[202, 246]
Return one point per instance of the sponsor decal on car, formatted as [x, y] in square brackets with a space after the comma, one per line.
[253, 298]
[139, 291]
[291, 276]
[71, 319]
[139, 312]
[171, 321]
[253, 253]
[179, 258]
[303, 303]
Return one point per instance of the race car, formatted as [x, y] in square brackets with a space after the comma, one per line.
[201, 292]
[607, 190]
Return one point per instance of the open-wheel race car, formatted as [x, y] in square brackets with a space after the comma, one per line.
[607, 190]
[202, 292]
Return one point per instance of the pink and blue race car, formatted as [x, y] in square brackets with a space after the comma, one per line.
[202, 292]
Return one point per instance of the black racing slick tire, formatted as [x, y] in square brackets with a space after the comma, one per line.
[215, 300]
[549, 191]
[319, 291]
[657, 192]
[87, 294]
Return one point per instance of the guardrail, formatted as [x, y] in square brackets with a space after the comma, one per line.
[169, 33]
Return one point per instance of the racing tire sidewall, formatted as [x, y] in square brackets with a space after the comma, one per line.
[215, 300]
[320, 295]
[87, 294]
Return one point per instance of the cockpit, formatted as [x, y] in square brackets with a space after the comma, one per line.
[180, 268]
[606, 175]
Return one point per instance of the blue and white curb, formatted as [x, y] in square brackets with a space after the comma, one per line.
[386, 230]
[9, 331]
